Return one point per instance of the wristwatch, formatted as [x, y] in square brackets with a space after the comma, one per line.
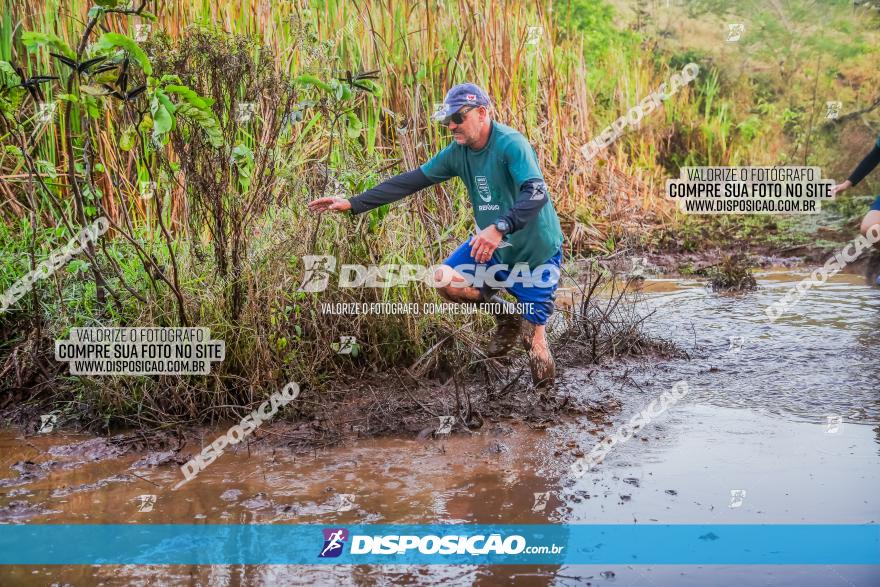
[502, 225]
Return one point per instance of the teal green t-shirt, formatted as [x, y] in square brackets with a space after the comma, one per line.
[493, 176]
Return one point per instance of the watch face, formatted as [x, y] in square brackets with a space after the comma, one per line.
[502, 225]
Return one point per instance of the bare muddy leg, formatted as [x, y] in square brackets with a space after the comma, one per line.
[543, 367]
[508, 324]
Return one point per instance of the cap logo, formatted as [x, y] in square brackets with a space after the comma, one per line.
[471, 98]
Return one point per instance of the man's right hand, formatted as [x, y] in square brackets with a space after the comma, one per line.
[330, 203]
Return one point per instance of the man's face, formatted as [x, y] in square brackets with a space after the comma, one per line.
[468, 132]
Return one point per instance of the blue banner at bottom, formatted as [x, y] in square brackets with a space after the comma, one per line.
[472, 544]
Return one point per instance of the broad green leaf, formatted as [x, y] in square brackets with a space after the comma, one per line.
[95, 12]
[105, 77]
[111, 40]
[162, 120]
[310, 80]
[353, 124]
[375, 88]
[126, 140]
[11, 93]
[311, 123]
[190, 96]
[77, 265]
[15, 152]
[146, 123]
[93, 90]
[46, 168]
[166, 102]
[243, 159]
[346, 92]
[205, 119]
[92, 106]
[32, 40]
[89, 195]
[8, 77]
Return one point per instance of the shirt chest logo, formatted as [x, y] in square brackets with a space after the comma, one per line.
[483, 188]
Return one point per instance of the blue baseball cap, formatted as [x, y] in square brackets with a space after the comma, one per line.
[466, 94]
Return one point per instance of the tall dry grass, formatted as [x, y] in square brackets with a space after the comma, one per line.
[545, 89]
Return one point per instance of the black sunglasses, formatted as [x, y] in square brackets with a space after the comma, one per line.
[458, 117]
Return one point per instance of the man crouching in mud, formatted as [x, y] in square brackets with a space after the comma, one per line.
[512, 209]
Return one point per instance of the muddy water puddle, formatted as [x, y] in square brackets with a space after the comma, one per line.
[781, 424]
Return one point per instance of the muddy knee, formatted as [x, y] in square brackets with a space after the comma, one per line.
[442, 281]
[452, 286]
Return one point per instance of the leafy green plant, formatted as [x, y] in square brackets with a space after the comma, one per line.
[91, 82]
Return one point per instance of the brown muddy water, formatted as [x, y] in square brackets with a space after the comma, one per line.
[781, 425]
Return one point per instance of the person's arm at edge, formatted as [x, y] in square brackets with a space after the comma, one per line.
[866, 166]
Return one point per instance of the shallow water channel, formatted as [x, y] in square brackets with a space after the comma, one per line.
[781, 424]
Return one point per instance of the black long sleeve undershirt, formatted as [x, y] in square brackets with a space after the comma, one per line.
[866, 166]
[531, 198]
[390, 190]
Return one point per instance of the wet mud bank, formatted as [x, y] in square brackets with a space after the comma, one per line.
[780, 424]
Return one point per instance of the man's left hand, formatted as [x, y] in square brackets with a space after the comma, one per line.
[485, 243]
